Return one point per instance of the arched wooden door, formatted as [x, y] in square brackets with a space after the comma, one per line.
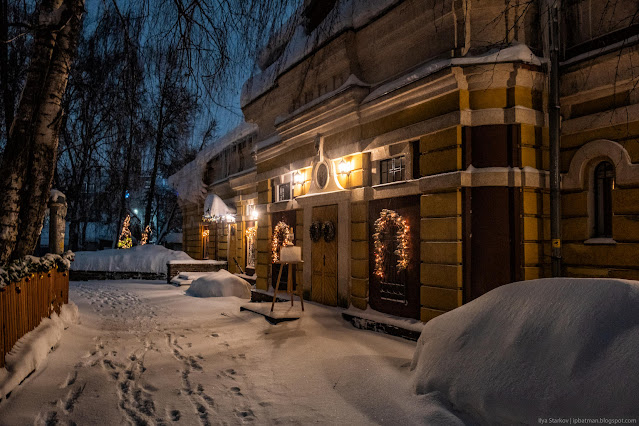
[324, 260]
[395, 291]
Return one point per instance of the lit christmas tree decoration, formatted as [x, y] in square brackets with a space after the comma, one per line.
[125, 240]
[145, 235]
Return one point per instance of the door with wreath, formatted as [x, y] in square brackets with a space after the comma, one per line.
[394, 225]
[323, 234]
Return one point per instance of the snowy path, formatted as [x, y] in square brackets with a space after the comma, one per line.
[144, 353]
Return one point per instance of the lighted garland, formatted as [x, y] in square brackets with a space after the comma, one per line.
[281, 238]
[125, 241]
[145, 235]
[386, 219]
[251, 232]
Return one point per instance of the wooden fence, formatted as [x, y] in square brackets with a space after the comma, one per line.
[25, 303]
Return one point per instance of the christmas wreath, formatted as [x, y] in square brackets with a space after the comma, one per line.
[316, 231]
[328, 229]
[281, 238]
[388, 218]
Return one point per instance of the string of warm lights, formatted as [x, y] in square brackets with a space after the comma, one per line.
[282, 237]
[388, 218]
[125, 240]
[145, 235]
[251, 232]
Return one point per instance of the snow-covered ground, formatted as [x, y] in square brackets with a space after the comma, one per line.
[146, 353]
[146, 258]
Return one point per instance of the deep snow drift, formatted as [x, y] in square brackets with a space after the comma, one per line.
[219, 284]
[536, 349]
[146, 258]
[30, 352]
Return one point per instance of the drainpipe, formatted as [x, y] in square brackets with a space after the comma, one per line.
[555, 137]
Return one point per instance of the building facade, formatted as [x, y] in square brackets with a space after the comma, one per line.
[404, 146]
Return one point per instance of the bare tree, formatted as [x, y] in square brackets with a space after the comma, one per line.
[28, 162]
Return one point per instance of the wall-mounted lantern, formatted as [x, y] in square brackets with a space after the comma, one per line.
[345, 167]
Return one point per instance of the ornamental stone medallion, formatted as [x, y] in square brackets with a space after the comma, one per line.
[324, 174]
[321, 175]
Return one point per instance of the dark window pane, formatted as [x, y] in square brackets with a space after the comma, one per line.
[392, 170]
[603, 184]
[284, 191]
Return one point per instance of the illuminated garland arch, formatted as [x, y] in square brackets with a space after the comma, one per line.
[251, 232]
[382, 224]
[281, 238]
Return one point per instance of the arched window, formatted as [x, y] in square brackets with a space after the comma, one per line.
[604, 182]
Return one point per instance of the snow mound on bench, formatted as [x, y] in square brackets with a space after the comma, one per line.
[146, 258]
[220, 284]
[536, 349]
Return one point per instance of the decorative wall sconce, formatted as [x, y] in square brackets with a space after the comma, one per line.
[251, 212]
[345, 167]
[298, 178]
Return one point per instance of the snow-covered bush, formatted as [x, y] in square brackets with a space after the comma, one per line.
[220, 284]
[146, 258]
[536, 349]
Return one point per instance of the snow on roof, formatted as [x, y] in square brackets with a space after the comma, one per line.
[515, 53]
[346, 14]
[214, 206]
[563, 347]
[350, 82]
[188, 180]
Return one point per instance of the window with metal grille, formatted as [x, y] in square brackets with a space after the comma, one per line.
[284, 192]
[604, 183]
[392, 170]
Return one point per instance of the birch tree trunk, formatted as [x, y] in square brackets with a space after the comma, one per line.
[30, 155]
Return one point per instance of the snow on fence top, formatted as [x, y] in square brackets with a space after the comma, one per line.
[18, 269]
[147, 258]
[563, 347]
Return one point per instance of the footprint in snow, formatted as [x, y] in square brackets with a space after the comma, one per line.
[71, 378]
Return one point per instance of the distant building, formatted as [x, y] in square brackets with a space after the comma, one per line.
[420, 133]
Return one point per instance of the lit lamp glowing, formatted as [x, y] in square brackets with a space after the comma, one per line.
[298, 178]
[230, 218]
[251, 212]
[344, 167]
[205, 233]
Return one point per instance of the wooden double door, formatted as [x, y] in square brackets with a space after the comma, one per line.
[324, 259]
